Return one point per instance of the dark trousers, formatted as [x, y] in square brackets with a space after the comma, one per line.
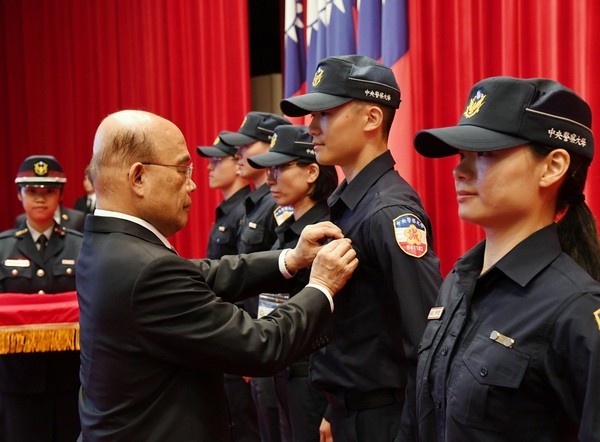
[369, 417]
[263, 392]
[301, 407]
[244, 422]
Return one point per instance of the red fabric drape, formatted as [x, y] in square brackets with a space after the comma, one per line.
[67, 64]
[454, 44]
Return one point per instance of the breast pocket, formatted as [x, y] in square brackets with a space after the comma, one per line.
[487, 385]
[223, 236]
[253, 234]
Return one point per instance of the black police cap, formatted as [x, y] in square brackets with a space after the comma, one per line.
[503, 112]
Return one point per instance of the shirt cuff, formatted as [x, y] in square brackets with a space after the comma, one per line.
[282, 266]
[325, 291]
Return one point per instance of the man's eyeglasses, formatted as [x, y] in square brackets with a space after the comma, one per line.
[187, 170]
[275, 171]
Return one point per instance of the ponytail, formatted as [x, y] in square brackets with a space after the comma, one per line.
[577, 230]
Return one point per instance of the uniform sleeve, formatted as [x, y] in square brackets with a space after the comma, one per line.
[401, 244]
[180, 319]
[574, 364]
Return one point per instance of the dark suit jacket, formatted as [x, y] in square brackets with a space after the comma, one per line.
[155, 339]
[70, 218]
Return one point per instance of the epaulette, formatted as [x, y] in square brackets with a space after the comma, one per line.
[21, 232]
[71, 231]
[11, 233]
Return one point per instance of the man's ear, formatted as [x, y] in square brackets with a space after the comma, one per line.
[374, 116]
[136, 177]
[556, 166]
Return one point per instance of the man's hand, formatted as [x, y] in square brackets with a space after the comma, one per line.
[325, 432]
[334, 265]
[311, 240]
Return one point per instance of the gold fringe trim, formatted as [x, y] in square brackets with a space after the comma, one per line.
[39, 338]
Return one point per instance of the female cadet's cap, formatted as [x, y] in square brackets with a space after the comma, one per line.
[341, 79]
[503, 112]
[289, 143]
[257, 126]
[40, 171]
[218, 149]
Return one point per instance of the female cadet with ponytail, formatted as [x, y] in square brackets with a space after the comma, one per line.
[512, 348]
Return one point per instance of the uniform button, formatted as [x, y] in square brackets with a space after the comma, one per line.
[444, 351]
[41, 292]
[14, 272]
[69, 271]
[438, 404]
[40, 273]
[483, 371]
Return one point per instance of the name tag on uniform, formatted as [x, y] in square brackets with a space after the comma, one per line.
[221, 228]
[68, 262]
[17, 263]
[502, 339]
[435, 313]
[252, 225]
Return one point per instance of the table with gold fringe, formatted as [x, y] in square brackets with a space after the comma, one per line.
[38, 323]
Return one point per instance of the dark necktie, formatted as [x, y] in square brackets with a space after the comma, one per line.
[42, 240]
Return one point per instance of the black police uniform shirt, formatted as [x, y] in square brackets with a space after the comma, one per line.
[381, 312]
[288, 234]
[513, 354]
[223, 237]
[257, 232]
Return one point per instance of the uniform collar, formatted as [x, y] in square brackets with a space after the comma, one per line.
[351, 193]
[226, 205]
[524, 262]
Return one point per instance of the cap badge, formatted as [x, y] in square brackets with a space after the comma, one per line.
[216, 141]
[475, 104]
[411, 235]
[273, 141]
[40, 168]
[244, 122]
[318, 77]
[597, 316]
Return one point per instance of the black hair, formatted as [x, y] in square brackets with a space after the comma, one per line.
[577, 230]
[326, 182]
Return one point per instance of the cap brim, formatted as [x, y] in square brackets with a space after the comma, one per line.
[445, 141]
[311, 102]
[236, 138]
[211, 152]
[270, 159]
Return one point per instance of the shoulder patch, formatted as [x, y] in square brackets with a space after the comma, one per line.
[411, 234]
[597, 316]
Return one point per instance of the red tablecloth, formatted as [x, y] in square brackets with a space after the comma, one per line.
[38, 323]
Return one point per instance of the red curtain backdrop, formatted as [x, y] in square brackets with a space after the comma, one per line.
[66, 64]
[452, 44]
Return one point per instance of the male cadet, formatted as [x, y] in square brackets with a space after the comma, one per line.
[368, 370]
[223, 175]
[223, 240]
[257, 233]
[38, 391]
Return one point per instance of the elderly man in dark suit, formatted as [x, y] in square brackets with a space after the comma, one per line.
[156, 332]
